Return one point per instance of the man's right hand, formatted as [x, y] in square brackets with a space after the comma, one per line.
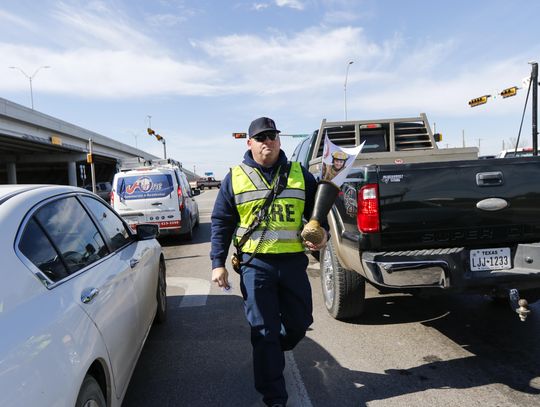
[220, 275]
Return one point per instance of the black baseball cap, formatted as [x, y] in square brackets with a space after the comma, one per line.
[261, 125]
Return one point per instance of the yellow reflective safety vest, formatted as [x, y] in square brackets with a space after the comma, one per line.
[282, 234]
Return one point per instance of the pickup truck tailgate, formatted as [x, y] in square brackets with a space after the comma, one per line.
[428, 205]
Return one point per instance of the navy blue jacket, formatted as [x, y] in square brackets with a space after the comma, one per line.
[225, 216]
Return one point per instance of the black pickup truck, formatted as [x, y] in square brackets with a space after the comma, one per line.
[414, 218]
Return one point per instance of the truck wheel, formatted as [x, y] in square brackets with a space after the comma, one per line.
[343, 290]
[189, 234]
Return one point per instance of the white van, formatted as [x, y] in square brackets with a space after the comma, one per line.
[156, 193]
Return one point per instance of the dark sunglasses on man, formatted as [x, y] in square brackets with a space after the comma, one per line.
[261, 137]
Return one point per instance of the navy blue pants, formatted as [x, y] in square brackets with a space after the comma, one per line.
[278, 307]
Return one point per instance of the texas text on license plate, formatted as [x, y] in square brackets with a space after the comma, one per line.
[490, 259]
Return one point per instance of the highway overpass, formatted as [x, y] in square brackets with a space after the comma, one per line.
[37, 148]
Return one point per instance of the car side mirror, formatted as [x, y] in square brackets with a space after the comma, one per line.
[196, 192]
[147, 231]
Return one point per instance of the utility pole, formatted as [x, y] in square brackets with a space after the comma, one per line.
[534, 80]
[463, 138]
[479, 140]
[92, 169]
[345, 87]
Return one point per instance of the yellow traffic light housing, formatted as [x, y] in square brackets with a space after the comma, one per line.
[89, 158]
[509, 92]
[158, 137]
[479, 101]
[150, 131]
[239, 135]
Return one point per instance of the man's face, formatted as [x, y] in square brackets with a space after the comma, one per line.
[265, 151]
[338, 164]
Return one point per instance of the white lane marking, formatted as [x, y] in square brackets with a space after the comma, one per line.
[196, 290]
[298, 395]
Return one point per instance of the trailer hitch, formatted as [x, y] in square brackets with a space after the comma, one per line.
[520, 306]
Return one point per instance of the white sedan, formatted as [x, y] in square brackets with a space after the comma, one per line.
[78, 295]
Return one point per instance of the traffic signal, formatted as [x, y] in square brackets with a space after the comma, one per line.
[150, 131]
[89, 158]
[509, 92]
[239, 135]
[478, 101]
[158, 137]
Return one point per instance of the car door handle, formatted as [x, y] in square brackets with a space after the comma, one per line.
[157, 203]
[133, 262]
[89, 294]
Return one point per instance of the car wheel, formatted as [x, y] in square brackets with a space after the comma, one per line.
[161, 295]
[90, 394]
[343, 290]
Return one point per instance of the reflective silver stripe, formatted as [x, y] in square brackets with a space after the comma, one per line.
[241, 231]
[261, 194]
[272, 235]
[254, 177]
[250, 196]
[293, 193]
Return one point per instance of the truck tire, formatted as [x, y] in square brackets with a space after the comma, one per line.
[343, 290]
[188, 236]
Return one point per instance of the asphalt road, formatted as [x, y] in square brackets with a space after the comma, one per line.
[405, 351]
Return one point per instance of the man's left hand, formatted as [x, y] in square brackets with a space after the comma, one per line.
[316, 247]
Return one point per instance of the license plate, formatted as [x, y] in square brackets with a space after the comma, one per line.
[169, 224]
[490, 259]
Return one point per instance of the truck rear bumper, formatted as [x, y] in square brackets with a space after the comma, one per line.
[450, 269]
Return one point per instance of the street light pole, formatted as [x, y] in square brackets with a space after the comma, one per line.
[345, 86]
[30, 77]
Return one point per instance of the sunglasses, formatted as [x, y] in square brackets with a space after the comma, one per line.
[263, 136]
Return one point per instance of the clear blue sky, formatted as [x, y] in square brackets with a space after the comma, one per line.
[204, 69]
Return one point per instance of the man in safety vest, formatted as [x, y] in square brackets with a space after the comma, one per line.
[274, 282]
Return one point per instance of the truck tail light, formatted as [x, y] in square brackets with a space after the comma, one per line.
[368, 209]
[180, 198]
[111, 196]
